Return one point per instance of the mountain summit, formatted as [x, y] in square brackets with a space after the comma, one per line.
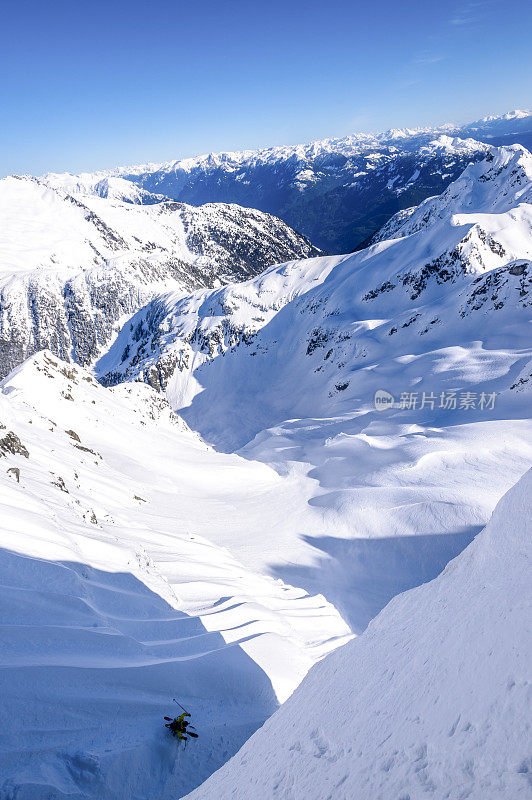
[74, 266]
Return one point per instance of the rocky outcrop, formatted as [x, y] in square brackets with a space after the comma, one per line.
[454, 263]
[74, 268]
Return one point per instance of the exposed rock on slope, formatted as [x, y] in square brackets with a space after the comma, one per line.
[337, 191]
[73, 267]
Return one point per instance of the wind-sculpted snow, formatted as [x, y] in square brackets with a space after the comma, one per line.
[121, 588]
[74, 267]
[432, 701]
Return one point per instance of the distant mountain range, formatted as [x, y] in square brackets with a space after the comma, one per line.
[338, 192]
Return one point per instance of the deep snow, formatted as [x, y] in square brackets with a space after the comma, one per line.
[112, 602]
[140, 563]
[432, 701]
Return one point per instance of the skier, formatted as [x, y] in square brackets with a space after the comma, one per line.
[178, 727]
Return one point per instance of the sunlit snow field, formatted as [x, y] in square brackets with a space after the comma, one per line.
[215, 555]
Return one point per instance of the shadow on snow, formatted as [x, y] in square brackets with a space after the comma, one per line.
[89, 663]
[363, 575]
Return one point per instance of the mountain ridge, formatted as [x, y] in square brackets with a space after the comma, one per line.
[485, 123]
[74, 266]
[337, 191]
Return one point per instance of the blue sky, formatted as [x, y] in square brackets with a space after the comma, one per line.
[94, 85]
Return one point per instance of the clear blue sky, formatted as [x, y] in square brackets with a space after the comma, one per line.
[89, 85]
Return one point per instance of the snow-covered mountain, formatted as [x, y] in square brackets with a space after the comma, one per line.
[432, 701]
[74, 266]
[503, 129]
[458, 259]
[285, 368]
[336, 191]
[346, 426]
[121, 587]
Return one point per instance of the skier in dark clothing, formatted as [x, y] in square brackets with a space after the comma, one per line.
[179, 726]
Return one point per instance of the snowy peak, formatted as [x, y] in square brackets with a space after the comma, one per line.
[173, 330]
[74, 266]
[452, 145]
[503, 124]
[510, 115]
[104, 226]
[500, 182]
[337, 191]
[101, 184]
[346, 145]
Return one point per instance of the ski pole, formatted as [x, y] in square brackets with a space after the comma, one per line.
[180, 706]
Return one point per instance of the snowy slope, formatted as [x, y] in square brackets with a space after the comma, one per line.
[336, 191]
[284, 369]
[433, 701]
[117, 594]
[138, 563]
[73, 267]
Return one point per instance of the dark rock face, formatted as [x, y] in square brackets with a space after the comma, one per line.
[338, 192]
[10, 443]
[239, 239]
[491, 292]
[77, 315]
[15, 471]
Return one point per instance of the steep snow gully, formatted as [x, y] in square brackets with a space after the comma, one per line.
[432, 701]
[230, 518]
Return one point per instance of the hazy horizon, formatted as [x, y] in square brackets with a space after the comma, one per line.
[308, 140]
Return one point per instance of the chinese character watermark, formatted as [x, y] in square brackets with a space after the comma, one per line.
[450, 401]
